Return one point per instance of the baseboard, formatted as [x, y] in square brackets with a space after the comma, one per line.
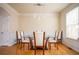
[9, 44]
[70, 47]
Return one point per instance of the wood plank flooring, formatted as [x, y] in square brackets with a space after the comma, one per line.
[13, 50]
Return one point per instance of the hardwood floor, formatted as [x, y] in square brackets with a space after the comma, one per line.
[12, 50]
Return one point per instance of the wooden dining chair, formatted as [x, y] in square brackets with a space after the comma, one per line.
[24, 40]
[39, 41]
[18, 39]
[53, 40]
[60, 36]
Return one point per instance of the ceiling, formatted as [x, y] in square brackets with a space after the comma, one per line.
[38, 8]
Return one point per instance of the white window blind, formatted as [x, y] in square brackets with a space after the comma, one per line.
[72, 24]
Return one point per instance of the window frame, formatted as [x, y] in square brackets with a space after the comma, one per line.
[77, 24]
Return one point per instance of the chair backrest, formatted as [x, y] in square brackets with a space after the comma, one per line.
[22, 35]
[56, 35]
[18, 36]
[60, 35]
[39, 38]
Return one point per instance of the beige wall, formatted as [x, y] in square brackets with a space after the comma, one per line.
[69, 42]
[47, 22]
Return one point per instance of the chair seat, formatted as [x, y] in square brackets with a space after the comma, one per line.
[26, 40]
[52, 40]
[39, 45]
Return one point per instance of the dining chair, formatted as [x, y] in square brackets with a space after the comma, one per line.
[24, 40]
[53, 40]
[18, 39]
[39, 41]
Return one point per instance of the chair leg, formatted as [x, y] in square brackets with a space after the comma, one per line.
[43, 51]
[22, 46]
[28, 46]
[17, 45]
[49, 46]
[16, 50]
[57, 45]
[35, 52]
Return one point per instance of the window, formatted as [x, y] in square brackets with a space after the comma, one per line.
[72, 24]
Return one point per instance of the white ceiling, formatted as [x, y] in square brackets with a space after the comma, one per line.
[33, 8]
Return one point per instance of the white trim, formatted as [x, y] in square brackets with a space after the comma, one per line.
[25, 14]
